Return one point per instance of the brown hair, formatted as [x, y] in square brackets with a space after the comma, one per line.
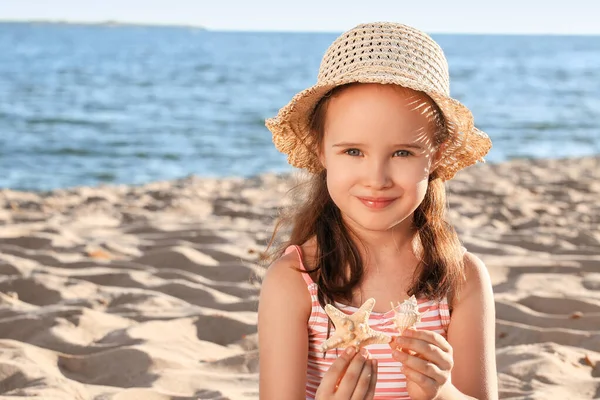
[316, 215]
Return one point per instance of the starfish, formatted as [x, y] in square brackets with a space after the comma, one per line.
[353, 330]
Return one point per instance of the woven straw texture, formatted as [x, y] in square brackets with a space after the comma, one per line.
[385, 53]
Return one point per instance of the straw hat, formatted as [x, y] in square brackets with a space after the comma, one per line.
[386, 53]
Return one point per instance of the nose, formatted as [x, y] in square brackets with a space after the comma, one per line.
[377, 174]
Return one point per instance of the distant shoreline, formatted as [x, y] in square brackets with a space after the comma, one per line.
[111, 23]
[108, 23]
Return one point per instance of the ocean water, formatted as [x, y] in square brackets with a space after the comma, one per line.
[86, 105]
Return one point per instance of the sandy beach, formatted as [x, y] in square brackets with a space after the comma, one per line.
[150, 292]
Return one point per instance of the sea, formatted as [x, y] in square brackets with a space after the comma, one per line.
[122, 104]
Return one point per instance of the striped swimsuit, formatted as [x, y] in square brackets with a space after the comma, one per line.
[391, 383]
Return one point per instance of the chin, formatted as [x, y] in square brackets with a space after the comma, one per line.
[377, 223]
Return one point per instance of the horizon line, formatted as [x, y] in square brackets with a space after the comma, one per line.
[110, 22]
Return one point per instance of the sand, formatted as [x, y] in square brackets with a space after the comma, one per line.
[121, 292]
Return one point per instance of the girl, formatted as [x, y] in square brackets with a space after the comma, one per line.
[379, 134]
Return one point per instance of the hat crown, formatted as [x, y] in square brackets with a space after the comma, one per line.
[387, 48]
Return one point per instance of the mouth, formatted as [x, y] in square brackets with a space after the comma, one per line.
[376, 203]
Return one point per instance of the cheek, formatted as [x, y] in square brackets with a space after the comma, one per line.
[340, 169]
[421, 190]
[339, 179]
[411, 175]
[422, 168]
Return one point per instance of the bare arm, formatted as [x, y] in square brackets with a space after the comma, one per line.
[283, 312]
[472, 334]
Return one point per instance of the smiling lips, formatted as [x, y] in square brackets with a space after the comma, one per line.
[377, 202]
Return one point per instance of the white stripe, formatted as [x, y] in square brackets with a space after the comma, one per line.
[390, 385]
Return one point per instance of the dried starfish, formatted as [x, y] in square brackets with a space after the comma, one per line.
[406, 314]
[353, 330]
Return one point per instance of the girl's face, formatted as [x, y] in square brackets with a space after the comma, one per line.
[378, 151]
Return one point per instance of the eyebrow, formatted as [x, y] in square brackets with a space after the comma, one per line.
[406, 145]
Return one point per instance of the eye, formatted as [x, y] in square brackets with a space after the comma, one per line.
[353, 152]
[402, 153]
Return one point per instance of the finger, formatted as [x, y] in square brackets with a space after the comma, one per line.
[425, 350]
[407, 351]
[362, 386]
[370, 395]
[423, 366]
[427, 384]
[336, 371]
[395, 345]
[351, 376]
[430, 337]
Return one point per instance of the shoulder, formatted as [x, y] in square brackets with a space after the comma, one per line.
[284, 287]
[476, 285]
[477, 275]
[284, 270]
[284, 277]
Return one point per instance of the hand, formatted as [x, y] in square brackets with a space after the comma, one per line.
[351, 377]
[426, 359]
